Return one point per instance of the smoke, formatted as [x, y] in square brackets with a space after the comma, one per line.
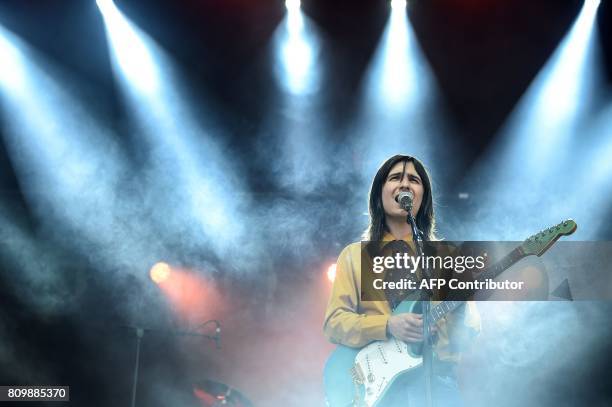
[542, 348]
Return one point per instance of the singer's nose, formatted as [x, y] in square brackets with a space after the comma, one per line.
[405, 184]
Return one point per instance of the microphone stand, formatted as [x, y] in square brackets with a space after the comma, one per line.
[140, 331]
[417, 237]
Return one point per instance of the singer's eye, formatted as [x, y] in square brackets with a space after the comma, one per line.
[414, 178]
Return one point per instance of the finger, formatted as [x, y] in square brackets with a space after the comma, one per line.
[412, 332]
[413, 338]
[417, 323]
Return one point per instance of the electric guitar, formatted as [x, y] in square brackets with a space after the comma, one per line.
[361, 377]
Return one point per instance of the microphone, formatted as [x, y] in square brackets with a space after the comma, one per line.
[405, 199]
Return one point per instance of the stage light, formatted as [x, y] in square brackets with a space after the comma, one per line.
[52, 139]
[296, 48]
[527, 166]
[399, 98]
[160, 272]
[592, 3]
[399, 82]
[559, 92]
[11, 65]
[131, 52]
[185, 154]
[398, 4]
[331, 272]
[106, 6]
[398, 70]
[292, 5]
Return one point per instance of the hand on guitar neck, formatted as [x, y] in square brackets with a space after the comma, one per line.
[407, 327]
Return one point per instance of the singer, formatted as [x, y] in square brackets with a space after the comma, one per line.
[355, 323]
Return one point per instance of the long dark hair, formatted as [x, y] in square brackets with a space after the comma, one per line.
[425, 219]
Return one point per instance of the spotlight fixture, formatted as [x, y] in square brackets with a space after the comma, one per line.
[160, 272]
[331, 272]
[398, 4]
[292, 5]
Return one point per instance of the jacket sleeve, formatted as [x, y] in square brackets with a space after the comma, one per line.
[344, 323]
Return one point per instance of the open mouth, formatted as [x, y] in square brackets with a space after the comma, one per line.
[396, 196]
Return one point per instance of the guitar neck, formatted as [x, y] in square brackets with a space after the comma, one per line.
[440, 310]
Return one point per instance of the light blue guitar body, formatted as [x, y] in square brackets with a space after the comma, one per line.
[348, 383]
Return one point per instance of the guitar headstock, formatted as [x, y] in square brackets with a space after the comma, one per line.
[540, 242]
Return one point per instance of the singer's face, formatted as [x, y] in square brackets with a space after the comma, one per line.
[402, 177]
